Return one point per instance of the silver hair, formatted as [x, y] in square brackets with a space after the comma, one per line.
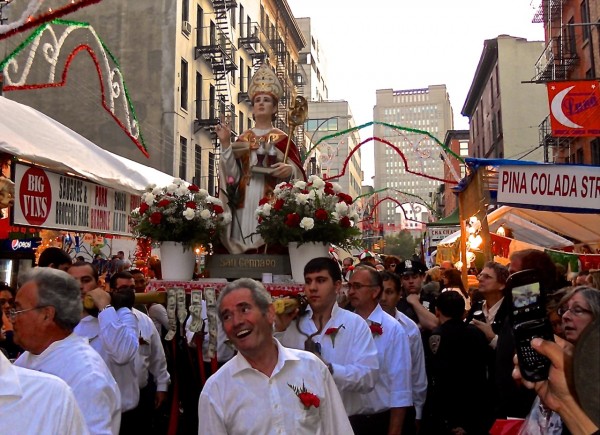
[590, 294]
[56, 289]
[260, 296]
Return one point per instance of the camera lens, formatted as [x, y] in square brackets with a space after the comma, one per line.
[478, 315]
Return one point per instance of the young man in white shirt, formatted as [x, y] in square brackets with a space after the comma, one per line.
[47, 308]
[113, 332]
[266, 388]
[389, 298]
[341, 338]
[383, 409]
[36, 403]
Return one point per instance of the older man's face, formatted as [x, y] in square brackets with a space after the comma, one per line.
[31, 321]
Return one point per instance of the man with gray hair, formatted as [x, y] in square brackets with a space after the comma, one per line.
[47, 309]
[291, 390]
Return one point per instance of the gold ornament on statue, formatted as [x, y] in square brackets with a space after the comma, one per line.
[297, 114]
[265, 81]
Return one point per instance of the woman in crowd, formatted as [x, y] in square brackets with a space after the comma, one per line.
[452, 280]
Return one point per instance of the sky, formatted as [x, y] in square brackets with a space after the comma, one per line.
[402, 44]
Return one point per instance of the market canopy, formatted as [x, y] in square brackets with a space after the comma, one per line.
[32, 136]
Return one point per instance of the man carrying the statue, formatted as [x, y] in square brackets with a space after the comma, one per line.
[251, 167]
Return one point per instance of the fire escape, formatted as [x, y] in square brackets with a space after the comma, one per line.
[216, 48]
[254, 41]
[555, 63]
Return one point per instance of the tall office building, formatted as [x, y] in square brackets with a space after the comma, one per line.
[312, 64]
[428, 110]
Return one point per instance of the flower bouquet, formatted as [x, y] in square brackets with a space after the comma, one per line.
[179, 213]
[313, 211]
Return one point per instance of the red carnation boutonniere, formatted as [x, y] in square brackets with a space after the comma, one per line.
[332, 332]
[376, 328]
[306, 398]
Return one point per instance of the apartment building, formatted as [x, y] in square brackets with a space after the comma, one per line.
[312, 63]
[429, 110]
[503, 107]
[187, 65]
[571, 53]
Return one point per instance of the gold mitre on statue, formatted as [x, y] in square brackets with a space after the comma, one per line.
[265, 81]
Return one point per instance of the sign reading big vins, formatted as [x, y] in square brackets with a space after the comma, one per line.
[567, 186]
[49, 200]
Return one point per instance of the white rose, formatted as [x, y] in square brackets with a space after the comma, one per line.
[182, 190]
[302, 198]
[177, 181]
[307, 223]
[266, 209]
[157, 191]
[353, 216]
[341, 208]
[311, 195]
[318, 183]
[189, 214]
[205, 214]
[335, 217]
[148, 198]
[336, 187]
[203, 193]
[171, 188]
[136, 211]
[300, 184]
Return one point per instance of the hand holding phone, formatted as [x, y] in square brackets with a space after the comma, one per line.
[529, 320]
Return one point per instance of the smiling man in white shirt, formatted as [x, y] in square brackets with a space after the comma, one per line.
[266, 388]
[341, 338]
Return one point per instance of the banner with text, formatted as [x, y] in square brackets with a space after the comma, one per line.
[49, 200]
[574, 108]
[437, 234]
[568, 186]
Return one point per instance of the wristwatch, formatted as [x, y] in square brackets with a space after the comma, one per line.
[105, 307]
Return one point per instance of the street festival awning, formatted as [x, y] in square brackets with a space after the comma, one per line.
[50, 192]
[564, 199]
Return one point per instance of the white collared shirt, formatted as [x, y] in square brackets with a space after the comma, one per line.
[417, 355]
[241, 400]
[151, 355]
[74, 361]
[33, 403]
[353, 355]
[114, 335]
[490, 316]
[393, 388]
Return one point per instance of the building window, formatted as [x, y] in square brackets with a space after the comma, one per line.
[242, 22]
[185, 10]
[241, 122]
[182, 157]
[242, 83]
[199, 25]
[595, 151]
[198, 95]
[572, 48]
[184, 84]
[197, 164]
[585, 19]
[211, 174]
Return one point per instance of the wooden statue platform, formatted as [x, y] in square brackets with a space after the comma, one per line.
[247, 265]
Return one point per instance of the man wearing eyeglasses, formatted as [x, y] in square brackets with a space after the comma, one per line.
[382, 410]
[112, 330]
[339, 337]
[47, 309]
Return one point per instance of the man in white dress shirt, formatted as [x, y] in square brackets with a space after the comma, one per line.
[383, 409]
[341, 338]
[266, 388]
[389, 298]
[47, 308]
[33, 403]
[113, 332]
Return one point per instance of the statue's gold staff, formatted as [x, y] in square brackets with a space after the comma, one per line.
[296, 115]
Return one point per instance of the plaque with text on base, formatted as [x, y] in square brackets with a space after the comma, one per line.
[247, 265]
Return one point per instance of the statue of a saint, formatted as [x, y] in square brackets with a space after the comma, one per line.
[251, 167]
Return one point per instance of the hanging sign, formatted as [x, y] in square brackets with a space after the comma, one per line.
[437, 234]
[50, 200]
[568, 186]
[574, 108]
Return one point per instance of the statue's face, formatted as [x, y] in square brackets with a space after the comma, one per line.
[264, 105]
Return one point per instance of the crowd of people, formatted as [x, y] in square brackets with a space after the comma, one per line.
[375, 347]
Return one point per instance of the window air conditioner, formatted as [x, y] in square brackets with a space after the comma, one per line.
[186, 27]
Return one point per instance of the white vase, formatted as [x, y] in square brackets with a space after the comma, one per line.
[176, 262]
[300, 255]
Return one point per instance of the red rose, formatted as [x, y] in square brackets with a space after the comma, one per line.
[193, 188]
[191, 204]
[344, 198]
[217, 208]
[278, 204]
[260, 219]
[345, 222]
[156, 218]
[144, 208]
[376, 329]
[321, 214]
[309, 399]
[304, 192]
[329, 189]
[163, 203]
[263, 201]
[292, 220]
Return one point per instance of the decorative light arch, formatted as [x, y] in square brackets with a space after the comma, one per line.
[17, 66]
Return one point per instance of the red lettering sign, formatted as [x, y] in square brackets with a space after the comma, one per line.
[574, 108]
[35, 196]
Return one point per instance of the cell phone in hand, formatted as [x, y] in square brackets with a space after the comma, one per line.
[529, 320]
